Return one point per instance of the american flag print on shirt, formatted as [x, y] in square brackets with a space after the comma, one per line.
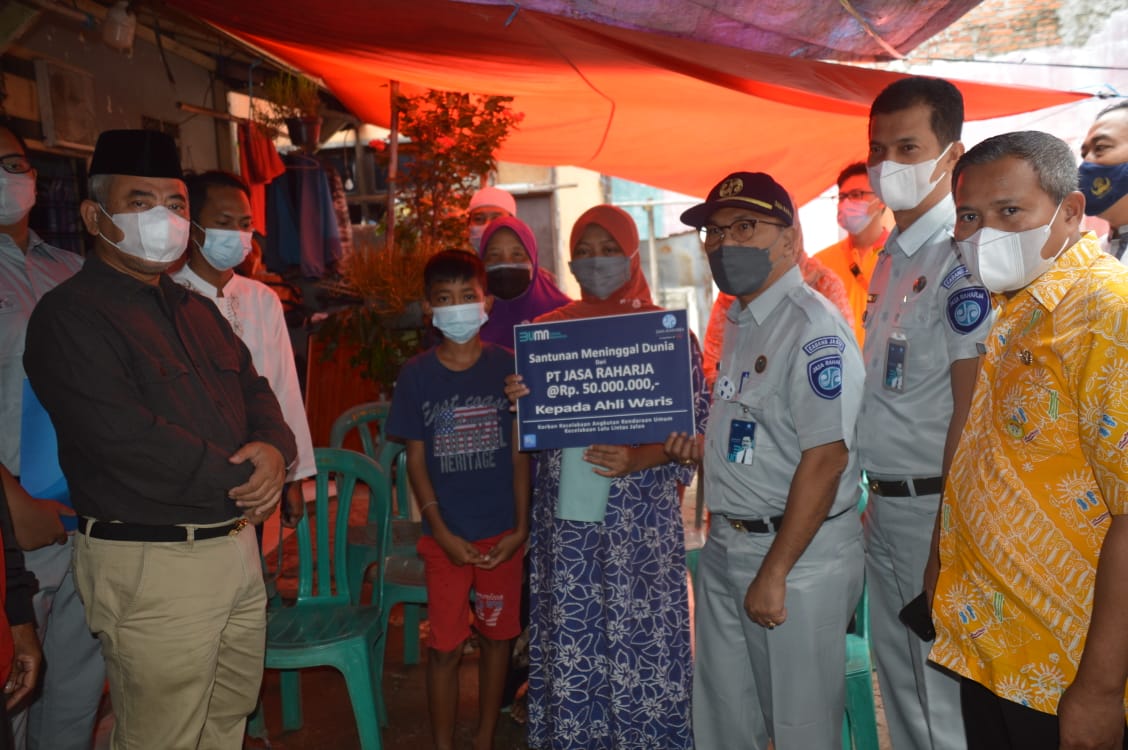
[467, 429]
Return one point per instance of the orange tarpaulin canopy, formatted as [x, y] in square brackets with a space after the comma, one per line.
[669, 112]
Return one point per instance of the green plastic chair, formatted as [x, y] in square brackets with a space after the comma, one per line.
[859, 726]
[324, 627]
[402, 573]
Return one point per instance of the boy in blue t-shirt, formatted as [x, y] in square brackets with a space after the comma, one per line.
[472, 486]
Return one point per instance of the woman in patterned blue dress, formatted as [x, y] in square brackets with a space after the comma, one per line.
[610, 658]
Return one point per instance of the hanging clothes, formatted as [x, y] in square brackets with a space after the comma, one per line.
[301, 225]
[340, 204]
[259, 163]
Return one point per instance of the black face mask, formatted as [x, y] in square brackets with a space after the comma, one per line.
[740, 270]
[508, 280]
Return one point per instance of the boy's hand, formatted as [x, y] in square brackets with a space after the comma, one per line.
[459, 551]
[515, 388]
[505, 548]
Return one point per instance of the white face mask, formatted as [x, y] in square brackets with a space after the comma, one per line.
[157, 235]
[854, 215]
[224, 248]
[460, 323]
[17, 196]
[903, 187]
[1006, 261]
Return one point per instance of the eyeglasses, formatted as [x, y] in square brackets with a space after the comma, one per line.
[856, 195]
[738, 231]
[15, 164]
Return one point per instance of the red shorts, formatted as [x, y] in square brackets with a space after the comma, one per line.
[497, 595]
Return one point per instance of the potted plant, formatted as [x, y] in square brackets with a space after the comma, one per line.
[452, 139]
[297, 105]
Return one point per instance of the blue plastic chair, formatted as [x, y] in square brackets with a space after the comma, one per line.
[324, 627]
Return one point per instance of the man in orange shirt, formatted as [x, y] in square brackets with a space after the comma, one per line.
[852, 259]
[1031, 605]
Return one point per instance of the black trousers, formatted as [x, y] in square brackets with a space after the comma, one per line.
[6, 741]
[994, 723]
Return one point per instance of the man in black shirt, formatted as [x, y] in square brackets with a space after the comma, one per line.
[172, 446]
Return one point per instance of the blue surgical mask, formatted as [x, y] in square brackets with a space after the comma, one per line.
[1103, 185]
[224, 248]
[601, 275]
[460, 323]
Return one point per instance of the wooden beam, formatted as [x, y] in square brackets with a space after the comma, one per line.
[98, 12]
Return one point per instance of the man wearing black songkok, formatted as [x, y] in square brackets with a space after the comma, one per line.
[173, 446]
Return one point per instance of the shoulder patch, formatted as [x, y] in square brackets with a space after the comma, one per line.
[824, 342]
[967, 308]
[825, 376]
[955, 275]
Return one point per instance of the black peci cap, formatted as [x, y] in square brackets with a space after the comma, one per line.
[140, 153]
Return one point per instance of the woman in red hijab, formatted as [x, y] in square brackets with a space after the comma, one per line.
[609, 618]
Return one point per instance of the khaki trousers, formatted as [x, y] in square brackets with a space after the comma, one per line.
[183, 631]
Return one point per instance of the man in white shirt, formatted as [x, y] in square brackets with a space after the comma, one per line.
[220, 238]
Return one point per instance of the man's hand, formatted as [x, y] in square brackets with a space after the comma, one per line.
[505, 548]
[764, 600]
[258, 495]
[685, 448]
[38, 523]
[459, 551]
[293, 505]
[1090, 720]
[26, 661]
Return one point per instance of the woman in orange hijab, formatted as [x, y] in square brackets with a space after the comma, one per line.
[609, 620]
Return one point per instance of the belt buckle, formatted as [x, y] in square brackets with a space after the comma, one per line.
[875, 486]
[239, 526]
[736, 523]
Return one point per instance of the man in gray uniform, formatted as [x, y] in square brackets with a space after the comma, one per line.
[781, 571]
[923, 320]
[62, 715]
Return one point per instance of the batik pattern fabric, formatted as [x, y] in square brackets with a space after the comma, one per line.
[610, 658]
[1041, 468]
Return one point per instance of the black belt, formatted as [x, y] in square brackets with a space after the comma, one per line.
[903, 488]
[768, 525]
[140, 532]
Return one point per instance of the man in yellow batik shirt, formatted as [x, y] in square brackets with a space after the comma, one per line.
[1031, 605]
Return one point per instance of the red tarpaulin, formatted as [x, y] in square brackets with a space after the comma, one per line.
[669, 112]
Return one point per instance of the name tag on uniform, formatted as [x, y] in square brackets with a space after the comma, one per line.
[896, 361]
[741, 441]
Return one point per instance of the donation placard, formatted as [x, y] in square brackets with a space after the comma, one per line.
[617, 380]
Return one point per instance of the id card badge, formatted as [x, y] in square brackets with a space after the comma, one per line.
[741, 441]
[896, 359]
